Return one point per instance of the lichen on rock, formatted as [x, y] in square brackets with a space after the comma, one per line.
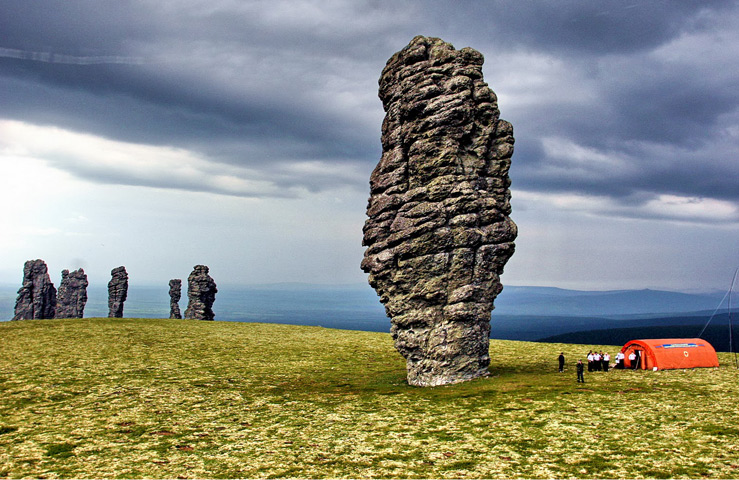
[438, 232]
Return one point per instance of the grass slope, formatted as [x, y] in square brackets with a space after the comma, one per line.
[172, 398]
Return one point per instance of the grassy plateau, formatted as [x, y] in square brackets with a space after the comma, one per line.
[131, 398]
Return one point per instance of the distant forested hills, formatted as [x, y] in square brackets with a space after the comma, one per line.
[716, 333]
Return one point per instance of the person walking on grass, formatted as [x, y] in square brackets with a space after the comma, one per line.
[562, 362]
[580, 372]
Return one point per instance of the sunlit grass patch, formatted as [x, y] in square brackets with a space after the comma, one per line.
[169, 398]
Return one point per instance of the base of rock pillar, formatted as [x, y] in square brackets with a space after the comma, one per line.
[435, 374]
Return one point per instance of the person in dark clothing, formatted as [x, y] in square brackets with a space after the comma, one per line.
[562, 362]
[580, 372]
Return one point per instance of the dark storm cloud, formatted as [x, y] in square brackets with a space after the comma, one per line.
[137, 104]
[575, 27]
[658, 117]
[628, 100]
[180, 89]
[73, 28]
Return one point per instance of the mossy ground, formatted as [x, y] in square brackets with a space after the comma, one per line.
[172, 398]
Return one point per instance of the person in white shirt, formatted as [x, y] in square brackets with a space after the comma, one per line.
[596, 362]
[632, 360]
[606, 361]
[590, 361]
[620, 360]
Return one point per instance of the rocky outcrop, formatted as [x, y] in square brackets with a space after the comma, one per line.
[175, 293]
[438, 232]
[71, 297]
[37, 296]
[117, 292]
[201, 294]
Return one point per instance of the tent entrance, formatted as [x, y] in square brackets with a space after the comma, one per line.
[640, 360]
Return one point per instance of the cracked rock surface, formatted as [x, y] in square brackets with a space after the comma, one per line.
[438, 233]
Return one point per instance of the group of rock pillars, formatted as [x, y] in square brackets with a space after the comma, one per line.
[39, 299]
[438, 232]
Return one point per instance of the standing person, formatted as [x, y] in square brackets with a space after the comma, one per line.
[596, 362]
[590, 361]
[632, 360]
[620, 360]
[580, 374]
[606, 361]
[562, 362]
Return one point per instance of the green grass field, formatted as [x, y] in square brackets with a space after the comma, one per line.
[177, 398]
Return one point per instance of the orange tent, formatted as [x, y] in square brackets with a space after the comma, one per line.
[669, 353]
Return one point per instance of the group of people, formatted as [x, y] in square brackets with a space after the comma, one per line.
[599, 362]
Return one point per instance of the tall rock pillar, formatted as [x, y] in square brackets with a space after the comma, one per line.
[175, 293]
[438, 232]
[71, 297]
[201, 294]
[117, 292]
[37, 295]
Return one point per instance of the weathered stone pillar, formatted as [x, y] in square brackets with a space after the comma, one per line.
[71, 297]
[37, 295]
[175, 293]
[438, 232]
[117, 292]
[201, 294]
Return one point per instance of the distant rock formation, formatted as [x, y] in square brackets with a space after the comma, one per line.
[117, 292]
[201, 294]
[175, 293]
[71, 297]
[37, 297]
[438, 232]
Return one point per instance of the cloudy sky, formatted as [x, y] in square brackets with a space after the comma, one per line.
[241, 134]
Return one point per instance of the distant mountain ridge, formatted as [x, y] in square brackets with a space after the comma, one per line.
[514, 300]
[555, 301]
[521, 313]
